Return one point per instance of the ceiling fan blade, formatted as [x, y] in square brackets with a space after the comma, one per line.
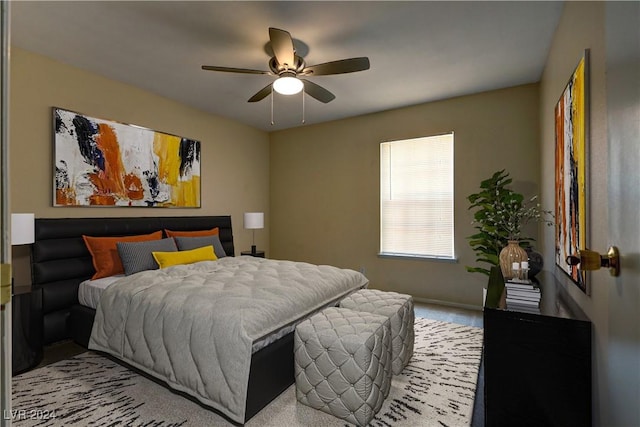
[262, 94]
[235, 70]
[317, 91]
[341, 66]
[282, 45]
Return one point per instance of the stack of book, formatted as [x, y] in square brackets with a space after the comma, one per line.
[523, 295]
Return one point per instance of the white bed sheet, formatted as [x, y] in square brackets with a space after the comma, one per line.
[89, 291]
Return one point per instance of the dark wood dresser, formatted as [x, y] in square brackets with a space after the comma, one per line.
[537, 364]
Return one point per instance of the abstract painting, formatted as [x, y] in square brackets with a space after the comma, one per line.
[104, 163]
[571, 130]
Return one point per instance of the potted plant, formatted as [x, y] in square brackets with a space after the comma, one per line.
[500, 216]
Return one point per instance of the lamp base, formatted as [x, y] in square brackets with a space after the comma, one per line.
[256, 254]
[253, 249]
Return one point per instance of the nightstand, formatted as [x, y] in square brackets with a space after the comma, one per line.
[26, 317]
[258, 254]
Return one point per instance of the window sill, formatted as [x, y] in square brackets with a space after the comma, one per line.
[418, 257]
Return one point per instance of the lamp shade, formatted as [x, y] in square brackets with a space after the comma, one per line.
[22, 229]
[253, 220]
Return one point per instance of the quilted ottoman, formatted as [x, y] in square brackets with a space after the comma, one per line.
[399, 309]
[343, 363]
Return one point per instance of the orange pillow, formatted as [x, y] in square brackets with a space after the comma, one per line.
[199, 233]
[104, 251]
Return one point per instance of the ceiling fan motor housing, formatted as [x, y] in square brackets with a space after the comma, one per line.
[278, 69]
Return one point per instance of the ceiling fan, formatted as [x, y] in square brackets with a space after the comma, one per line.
[289, 67]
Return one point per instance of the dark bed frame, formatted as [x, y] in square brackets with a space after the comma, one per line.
[60, 261]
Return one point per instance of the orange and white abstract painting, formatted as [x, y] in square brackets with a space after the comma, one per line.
[570, 180]
[104, 163]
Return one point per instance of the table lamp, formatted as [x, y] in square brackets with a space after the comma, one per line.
[253, 221]
[22, 229]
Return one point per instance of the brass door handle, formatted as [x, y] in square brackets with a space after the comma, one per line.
[591, 260]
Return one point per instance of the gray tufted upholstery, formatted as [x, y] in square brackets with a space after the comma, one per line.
[399, 309]
[343, 363]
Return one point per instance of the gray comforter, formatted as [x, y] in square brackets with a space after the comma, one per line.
[193, 326]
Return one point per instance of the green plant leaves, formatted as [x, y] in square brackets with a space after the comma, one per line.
[500, 215]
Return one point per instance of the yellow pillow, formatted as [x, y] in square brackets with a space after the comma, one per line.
[167, 259]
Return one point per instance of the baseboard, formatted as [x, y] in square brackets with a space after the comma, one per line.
[448, 303]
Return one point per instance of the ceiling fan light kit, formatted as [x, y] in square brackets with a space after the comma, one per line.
[287, 84]
[289, 67]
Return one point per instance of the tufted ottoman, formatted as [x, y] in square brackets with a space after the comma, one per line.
[399, 309]
[343, 363]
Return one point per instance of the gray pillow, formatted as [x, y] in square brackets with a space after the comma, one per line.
[136, 256]
[188, 243]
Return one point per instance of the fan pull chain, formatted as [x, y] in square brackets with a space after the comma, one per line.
[302, 104]
[272, 96]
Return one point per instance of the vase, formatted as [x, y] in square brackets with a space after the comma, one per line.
[510, 254]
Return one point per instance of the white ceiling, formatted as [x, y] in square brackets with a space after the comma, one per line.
[419, 51]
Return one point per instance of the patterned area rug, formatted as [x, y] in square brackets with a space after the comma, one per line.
[437, 388]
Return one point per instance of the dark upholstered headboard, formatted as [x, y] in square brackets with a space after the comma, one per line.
[60, 259]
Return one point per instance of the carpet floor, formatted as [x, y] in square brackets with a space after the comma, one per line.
[437, 388]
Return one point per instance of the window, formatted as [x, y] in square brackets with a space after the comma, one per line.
[416, 197]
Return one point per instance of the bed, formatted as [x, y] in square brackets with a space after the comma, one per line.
[61, 262]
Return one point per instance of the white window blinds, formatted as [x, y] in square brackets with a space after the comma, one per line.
[416, 197]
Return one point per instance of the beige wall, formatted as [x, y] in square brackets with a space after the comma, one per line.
[582, 26]
[325, 186]
[235, 157]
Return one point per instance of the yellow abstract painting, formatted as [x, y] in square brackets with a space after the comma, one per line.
[570, 171]
[104, 163]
